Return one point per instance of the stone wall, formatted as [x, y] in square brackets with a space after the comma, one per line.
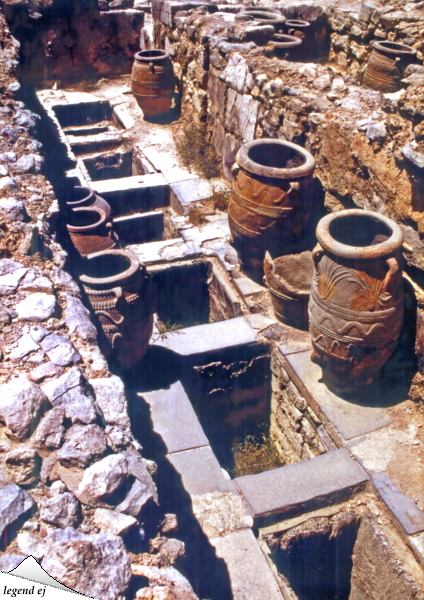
[294, 426]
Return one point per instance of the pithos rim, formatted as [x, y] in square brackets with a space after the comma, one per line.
[83, 189]
[89, 211]
[394, 48]
[284, 40]
[251, 166]
[297, 23]
[154, 55]
[133, 266]
[381, 249]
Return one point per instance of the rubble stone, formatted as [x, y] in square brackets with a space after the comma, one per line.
[61, 510]
[111, 398]
[95, 565]
[8, 562]
[51, 430]
[136, 499]
[164, 582]
[31, 544]
[10, 281]
[104, 477]
[14, 504]
[77, 319]
[111, 521]
[37, 307]
[12, 210]
[22, 465]
[60, 350]
[21, 402]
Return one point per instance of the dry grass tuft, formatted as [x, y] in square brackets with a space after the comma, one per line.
[255, 454]
[197, 151]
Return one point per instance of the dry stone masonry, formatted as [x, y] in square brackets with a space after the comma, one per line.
[163, 415]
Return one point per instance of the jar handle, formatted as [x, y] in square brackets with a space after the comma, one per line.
[393, 265]
[317, 252]
[151, 67]
[235, 169]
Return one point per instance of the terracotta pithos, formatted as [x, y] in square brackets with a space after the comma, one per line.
[85, 197]
[386, 65]
[270, 202]
[266, 17]
[300, 29]
[288, 279]
[90, 231]
[152, 81]
[117, 287]
[284, 42]
[356, 303]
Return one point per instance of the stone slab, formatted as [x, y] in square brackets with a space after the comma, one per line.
[248, 570]
[162, 157]
[135, 182]
[174, 419]
[176, 174]
[350, 420]
[200, 471]
[248, 287]
[405, 510]
[323, 478]
[418, 544]
[121, 112]
[157, 252]
[140, 227]
[184, 193]
[206, 338]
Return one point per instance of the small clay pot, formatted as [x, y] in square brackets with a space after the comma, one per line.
[117, 287]
[85, 197]
[90, 231]
[386, 65]
[288, 279]
[356, 303]
[270, 202]
[152, 81]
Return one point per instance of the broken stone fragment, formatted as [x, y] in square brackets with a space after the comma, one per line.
[104, 477]
[169, 524]
[416, 158]
[77, 319]
[111, 398]
[323, 82]
[22, 466]
[136, 499]
[51, 430]
[376, 131]
[111, 521]
[25, 164]
[8, 184]
[165, 583]
[62, 510]
[118, 439]
[31, 544]
[21, 402]
[170, 549]
[15, 503]
[95, 565]
[37, 307]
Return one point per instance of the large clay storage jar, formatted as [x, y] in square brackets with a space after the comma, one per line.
[301, 30]
[152, 81]
[288, 279]
[267, 16]
[270, 202]
[356, 303]
[90, 230]
[84, 197]
[386, 65]
[117, 287]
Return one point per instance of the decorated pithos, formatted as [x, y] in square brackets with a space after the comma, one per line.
[117, 287]
[356, 303]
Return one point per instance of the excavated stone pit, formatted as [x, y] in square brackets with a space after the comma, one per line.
[139, 463]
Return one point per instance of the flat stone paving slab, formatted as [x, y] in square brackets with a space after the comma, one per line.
[205, 338]
[404, 509]
[174, 418]
[248, 286]
[351, 420]
[294, 486]
[157, 252]
[249, 573]
[200, 471]
[135, 182]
